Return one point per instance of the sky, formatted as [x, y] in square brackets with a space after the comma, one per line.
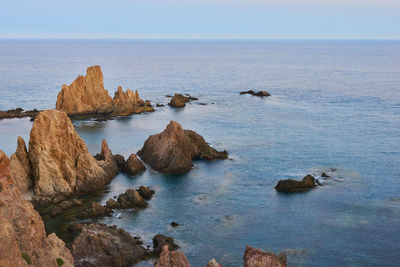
[188, 19]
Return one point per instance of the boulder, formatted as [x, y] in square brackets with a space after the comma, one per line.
[178, 101]
[290, 185]
[259, 93]
[107, 246]
[21, 169]
[159, 241]
[133, 165]
[171, 259]
[173, 150]
[120, 160]
[131, 199]
[61, 163]
[145, 192]
[257, 258]
[23, 240]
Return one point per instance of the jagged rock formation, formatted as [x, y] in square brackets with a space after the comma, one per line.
[259, 93]
[62, 165]
[21, 169]
[133, 165]
[290, 185]
[107, 246]
[160, 241]
[22, 235]
[171, 259]
[173, 150]
[87, 96]
[18, 113]
[257, 258]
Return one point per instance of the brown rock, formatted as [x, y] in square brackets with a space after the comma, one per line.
[173, 150]
[290, 185]
[159, 241]
[131, 199]
[21, 169]
[257, 258]
[120, 160]
[171, 259]
[102, 245]
[259, 93]
[133, 165]
[146, 192]
[213, 263]
[22, 234]
[107, 161]
[18, 113]
[62, 165]
[178, 101]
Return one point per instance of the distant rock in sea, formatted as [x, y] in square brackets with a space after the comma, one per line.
[173, 150]
[259, 93]
[291, 185]
[179, 101]
[18, 113]
[87, 96]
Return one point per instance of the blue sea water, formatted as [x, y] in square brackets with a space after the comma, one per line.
[334, 104]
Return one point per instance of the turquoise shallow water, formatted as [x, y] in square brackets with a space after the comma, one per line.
[334, 104]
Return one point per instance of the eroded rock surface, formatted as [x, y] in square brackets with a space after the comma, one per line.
[291, 185]
[22, 235]
[173, 150]
[257, 258]
[133, 165]
[171, 259]
[179, 101]
[160, 241]
[21, 169]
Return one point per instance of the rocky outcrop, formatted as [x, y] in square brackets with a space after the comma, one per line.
[257, 258]
[21, 169]
[120, 160]
[179, 101]
[101, 245]
[290, 185]
[160, 241]
[173, 150]
[18, 113]
[259, 93]
[171, 259]
[133, 165]
[213, 263]
[106, 160]
[87, 96]
[62, 165]
[23, 240]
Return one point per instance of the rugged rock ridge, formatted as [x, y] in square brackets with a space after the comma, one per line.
[87, 96]
[62, 165]
[173, 150]
[22, 234]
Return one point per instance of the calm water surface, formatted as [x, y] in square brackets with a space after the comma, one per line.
[334, 104]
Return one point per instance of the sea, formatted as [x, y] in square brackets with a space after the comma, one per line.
[334, 108]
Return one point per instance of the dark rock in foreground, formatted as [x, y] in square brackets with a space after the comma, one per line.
[18, 113]
[173, 150]
[257, 258]
[159, 241]
[101, 245]
[259, 93]
[290, 185]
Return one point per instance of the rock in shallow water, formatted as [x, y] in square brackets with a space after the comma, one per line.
[133, 165]
[173, 150]
[171, 259]
[290, 185]
[259, 93]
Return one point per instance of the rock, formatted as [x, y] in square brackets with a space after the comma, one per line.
[159, 105]
[107, 246]
[325, 175]
[174, 224]
[290, 185]
[257, 258]
[18, 113]
[145, 192]
[133, 165]
[22, 235]
[178, 101]
[173, 150]
[61, 207]
[87, 96]
[171, 259]
[159, 241]
[96, 211]
[21, 169]
[213, 263]
[62, 165]
[259, 93]
[131, 199]
[120, 160]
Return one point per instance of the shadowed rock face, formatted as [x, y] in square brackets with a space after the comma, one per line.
[171, 259]
[62, 165]
[291, 185]
[21, 169]
[102, 245]
[133, 165]
[22, 234]
[257, 258]
[173, 150]
[87, 96]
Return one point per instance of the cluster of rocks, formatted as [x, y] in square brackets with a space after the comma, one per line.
[132, 166]
[174, 150]
[179, 101]
[86, 95]
[18, 113]
[259, 93]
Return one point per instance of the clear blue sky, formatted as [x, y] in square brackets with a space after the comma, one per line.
[355, 19]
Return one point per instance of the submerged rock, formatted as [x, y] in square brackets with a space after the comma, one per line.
[290, 185]
[259, 93]
[23, 240]
[107, 246]
[133, 165]
[174, 224]
[257, 258]
[173, 150]
[20, 165]
[62, 165]
[18, 113]
[171, 259]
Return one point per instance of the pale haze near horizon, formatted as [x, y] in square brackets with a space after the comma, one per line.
[308, 19]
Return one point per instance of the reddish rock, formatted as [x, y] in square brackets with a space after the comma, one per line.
[160, 241]
[213, 263]
[257, 258]
[133, 165]
[173, 150]
[171, 259]
[21, 169]
[178, 101]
